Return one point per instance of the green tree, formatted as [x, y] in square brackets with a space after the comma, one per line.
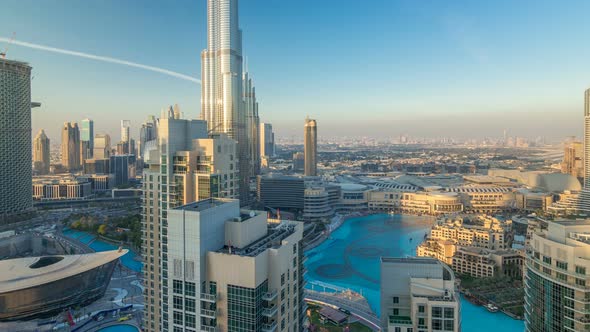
[102, 229]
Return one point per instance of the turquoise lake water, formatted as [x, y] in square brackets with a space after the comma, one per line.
[350, 259]
[127, 260]
[120, 328]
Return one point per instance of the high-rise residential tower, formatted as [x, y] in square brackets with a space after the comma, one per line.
[70, 146]
[229, 270]
[222, 103]
[184, 166]
[587, 139]
[41, 154]
[16, 194]
[310, 147]
[267, 140]
[86, 138]
[558, 277]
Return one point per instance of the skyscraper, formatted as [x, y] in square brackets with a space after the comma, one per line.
[199, 167]
[147, 133]
[16, 194]
[70, 146]
[252, 124]
[222, 104]
[557, 278]
[310, 147]
[125, 133]
[86, 138]
[587, 139]
[573, 159]
[231, 271]
[102, 146]
[267, 140]
[41, 153]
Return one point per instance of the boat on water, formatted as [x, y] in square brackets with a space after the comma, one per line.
[491, 308]
[391, 212]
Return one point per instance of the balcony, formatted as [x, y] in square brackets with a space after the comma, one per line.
[209, 313]
[272, 327]
[270, 295]
[270, 312]
[211, 298]
[205, 328]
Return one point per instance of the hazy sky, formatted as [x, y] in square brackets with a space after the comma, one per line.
[371, 67]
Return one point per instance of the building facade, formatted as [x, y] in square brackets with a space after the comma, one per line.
[267, 140]
[70, 147]
[87, 138]
[277, 191]
[184, 166]
[41, 153]
[310, 146]
[102, 146]
[222, 103]
[418, 294]
[231, 271]
[15, 139]
[557, 280]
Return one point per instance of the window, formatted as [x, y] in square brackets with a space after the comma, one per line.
[580, 282]
[580, 270]
[177, 286]
[421, 309]
[190, 289]
[449, 325]
[396, 312]
[189, 305]
[437, 312]
[449, 313]
[398, 329]
[177, 318]
[177, 301]
[547, 259]
[282, 279]
[190, 320]
[395, 299]
[421, 322]
[561, 265]
[437, 324]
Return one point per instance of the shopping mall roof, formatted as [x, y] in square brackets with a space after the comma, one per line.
[22, 273]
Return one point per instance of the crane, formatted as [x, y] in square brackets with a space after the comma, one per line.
[3, 54]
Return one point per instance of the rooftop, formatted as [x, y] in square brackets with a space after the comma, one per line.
[410, 260]
[22, 273]
[272, 239]
[205, 204]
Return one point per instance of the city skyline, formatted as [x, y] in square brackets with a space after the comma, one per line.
[462, 64]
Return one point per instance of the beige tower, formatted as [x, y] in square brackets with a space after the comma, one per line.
[310, 147]
[41, 153]
[70, 146]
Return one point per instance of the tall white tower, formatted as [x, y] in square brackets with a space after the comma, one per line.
[222, 104]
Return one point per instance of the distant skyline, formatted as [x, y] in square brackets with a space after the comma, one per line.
[429, 68]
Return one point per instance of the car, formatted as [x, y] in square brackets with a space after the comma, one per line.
[124, 318]
[99, 318]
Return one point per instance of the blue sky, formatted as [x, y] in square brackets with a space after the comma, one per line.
[373, 68]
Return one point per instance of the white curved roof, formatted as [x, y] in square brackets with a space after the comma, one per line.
[17, 274]
[352, 186]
